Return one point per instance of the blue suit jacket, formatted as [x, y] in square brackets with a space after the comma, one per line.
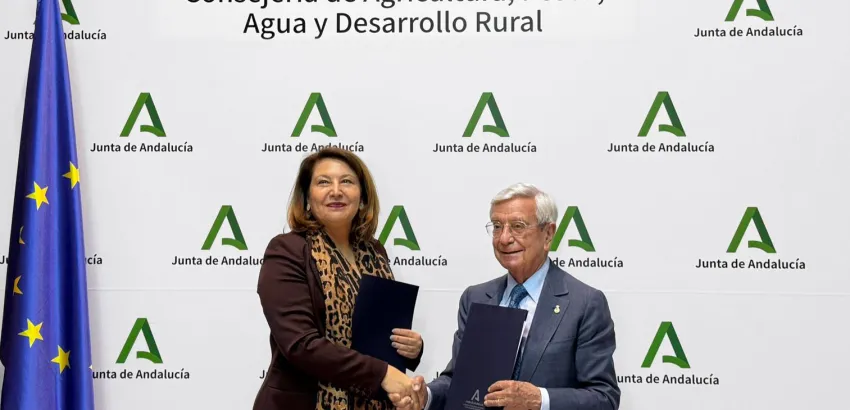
[569, 353]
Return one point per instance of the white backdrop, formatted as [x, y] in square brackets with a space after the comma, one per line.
[772, 108]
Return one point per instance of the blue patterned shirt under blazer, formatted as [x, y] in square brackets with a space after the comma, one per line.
[568, 340]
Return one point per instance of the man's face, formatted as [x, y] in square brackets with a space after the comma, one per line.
[523, 252]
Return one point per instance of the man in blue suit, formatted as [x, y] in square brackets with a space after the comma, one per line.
[565, 360]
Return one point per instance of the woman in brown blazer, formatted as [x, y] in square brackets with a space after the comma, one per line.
[307, 287]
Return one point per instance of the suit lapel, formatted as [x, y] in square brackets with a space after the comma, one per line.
[495, 292]
[546, 320]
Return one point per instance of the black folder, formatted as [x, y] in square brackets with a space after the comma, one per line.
[381, 306]
[487, 354]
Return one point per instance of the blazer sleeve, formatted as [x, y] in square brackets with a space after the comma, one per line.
[438, 389]
[594, 361]
[285, 298]
[411, 364]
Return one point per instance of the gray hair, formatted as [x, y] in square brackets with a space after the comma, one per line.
[547, 210]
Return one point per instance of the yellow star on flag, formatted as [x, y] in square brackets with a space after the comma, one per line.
[21, 236]
[15, 289]
[62, 359]
[40, 195]
[33, 332]
[73, 175]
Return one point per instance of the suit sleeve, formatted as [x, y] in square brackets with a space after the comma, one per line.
[438, 389]
[285, 298]
[594, 363]
[411, 364]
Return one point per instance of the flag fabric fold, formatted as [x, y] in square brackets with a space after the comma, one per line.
[45, 344]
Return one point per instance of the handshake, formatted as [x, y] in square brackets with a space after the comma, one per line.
[405, 393]
[411, 394]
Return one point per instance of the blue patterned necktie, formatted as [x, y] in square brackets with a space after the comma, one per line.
[518, 293]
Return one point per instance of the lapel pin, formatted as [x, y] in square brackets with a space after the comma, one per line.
[557, 309]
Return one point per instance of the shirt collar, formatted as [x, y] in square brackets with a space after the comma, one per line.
[534, 284]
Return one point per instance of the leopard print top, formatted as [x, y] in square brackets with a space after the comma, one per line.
[340, 284]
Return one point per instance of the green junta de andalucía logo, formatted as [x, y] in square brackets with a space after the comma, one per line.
[327, 126]
[70, 15]
[675, 127]
[667, 330]
[572, 214]
[763, 12]
[152, 354]
[237, 241]
[398, 214]
[487, 100]
[753, 215]
[144, 101]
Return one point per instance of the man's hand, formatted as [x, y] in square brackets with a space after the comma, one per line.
[416, 401]
[513, 395]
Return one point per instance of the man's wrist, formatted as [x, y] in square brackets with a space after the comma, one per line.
[544, 399]
[427, 398]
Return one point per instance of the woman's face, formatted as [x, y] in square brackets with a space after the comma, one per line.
[334, 196]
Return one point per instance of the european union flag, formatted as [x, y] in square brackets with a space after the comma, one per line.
[45, 344]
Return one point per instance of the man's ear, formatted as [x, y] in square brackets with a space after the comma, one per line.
[549, 234]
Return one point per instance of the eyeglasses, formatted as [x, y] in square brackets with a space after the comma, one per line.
[516, 228]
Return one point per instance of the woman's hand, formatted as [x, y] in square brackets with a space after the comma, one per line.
[407, 342]
[402, 389]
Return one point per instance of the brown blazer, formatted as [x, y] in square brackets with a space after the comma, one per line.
[291, 296]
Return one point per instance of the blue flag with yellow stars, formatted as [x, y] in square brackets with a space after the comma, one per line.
[45, 344]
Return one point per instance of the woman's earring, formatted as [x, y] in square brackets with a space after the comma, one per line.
[361, 206]
[308, 207]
